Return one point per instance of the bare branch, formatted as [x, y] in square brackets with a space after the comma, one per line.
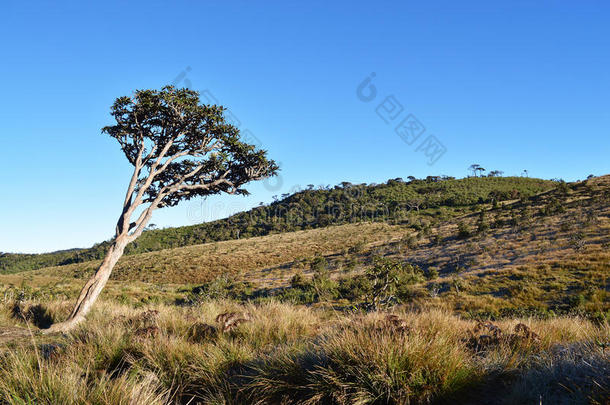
[134, 178]
[145, 217]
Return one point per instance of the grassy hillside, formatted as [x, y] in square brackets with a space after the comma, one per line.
[310, 209]
[200, 263]
[389, 312]
[544, 254]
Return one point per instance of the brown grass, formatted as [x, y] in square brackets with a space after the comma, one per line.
[288, 354]
[200, 263]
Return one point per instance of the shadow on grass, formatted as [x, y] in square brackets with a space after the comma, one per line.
[37, 314]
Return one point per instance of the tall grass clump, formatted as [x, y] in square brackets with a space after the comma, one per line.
[28, 378]
[362, 360]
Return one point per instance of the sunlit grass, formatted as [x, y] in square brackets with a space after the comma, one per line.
[290, 354]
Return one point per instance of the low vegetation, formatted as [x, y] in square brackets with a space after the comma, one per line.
[498, 302]
[280, 353]
[543, 255]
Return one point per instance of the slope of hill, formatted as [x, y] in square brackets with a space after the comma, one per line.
[545, 252]
[526, 261]
[346, 203]
[201, 263]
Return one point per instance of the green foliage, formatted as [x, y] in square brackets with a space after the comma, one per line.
[464, 230]
[298, 281]
[350, 264]
[482, 224]
[437, 239]
[385, 283]
[303, 291]
[181, 149]
[325, 288]
[388, 279]
[303, 295]
[220, 288]
[355, 288]
[319, 264]
[562, 188]
[409, 241]
[554, 206]
[577, 301]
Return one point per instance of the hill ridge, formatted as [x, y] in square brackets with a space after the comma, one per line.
[307, 209]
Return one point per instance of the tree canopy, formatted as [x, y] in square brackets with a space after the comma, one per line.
[182, 149]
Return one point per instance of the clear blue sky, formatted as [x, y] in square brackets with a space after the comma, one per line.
[511, 86]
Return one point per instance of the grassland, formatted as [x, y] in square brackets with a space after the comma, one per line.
[548, 252]
[290, 354]
[314, 333]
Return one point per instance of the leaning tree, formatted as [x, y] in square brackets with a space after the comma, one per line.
[179, 149]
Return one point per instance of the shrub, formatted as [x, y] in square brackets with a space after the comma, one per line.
[464, 230]
[562, 187]
[298, 280]
[318, 263]
[410, 241]
[386, 276]
[554, 206]
[482, 224]
[220, 288]
[354, 288]
[437, 239]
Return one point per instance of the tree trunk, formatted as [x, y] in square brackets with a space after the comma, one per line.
[93, 288]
